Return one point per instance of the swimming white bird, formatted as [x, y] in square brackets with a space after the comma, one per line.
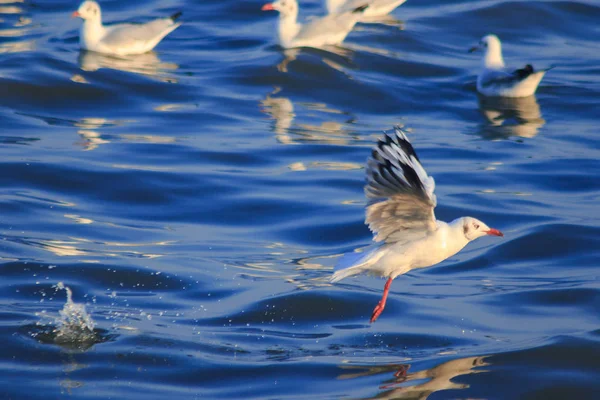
[120, 39]
[400, 214]
[497, 80]
[377, 8]
[319, 32]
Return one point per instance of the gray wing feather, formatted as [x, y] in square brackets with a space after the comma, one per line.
[129, 34]
[327, 26]
[376, 4]
[400, 192]
[506, 77]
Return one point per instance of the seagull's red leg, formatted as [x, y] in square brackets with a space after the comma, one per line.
[379, 308]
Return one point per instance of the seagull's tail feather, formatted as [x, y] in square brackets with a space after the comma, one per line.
[356, 263]
[176, 16]
[548, 69]
[349, 260]
[344, 273]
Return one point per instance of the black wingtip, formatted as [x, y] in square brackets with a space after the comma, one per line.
[392, 165]
[176, 16]
[525, 71]
[399, 137]
[360, 9]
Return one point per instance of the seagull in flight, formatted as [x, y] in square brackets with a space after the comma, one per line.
[495, 79]
[400, 215]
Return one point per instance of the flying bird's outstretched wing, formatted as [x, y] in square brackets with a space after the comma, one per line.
[400, 192]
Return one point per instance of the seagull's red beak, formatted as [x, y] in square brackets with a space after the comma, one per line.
[494, 232]
[268, 7]
[75, 14]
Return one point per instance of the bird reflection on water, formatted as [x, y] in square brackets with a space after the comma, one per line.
[420, 384]
[148, 64]
[283, 112]
[337, 57]
[507, 117]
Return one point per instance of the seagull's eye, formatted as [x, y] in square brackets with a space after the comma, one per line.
[476, 226]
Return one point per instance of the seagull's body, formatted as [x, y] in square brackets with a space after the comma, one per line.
[377, 8]
[393, 259]
[120, 39]
[401, 216]
[495, 79]
[319, 32]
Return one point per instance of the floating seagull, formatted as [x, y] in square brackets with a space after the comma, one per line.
[400, 214]
[319, 32]
[377, 8]
[497, 80]
[120, 39]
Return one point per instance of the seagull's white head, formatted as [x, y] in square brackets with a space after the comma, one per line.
[287, 8]
[88, 10]
[474, 228]
[492, 48]
[489, 41]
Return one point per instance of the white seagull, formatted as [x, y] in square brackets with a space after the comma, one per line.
[319, 32]
[120, 39]
[377, 8]
[497, 80]
[400, 214]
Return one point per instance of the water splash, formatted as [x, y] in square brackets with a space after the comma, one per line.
[73, 328]
[74, 323]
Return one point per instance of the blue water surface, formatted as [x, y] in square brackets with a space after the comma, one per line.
[195, 199]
